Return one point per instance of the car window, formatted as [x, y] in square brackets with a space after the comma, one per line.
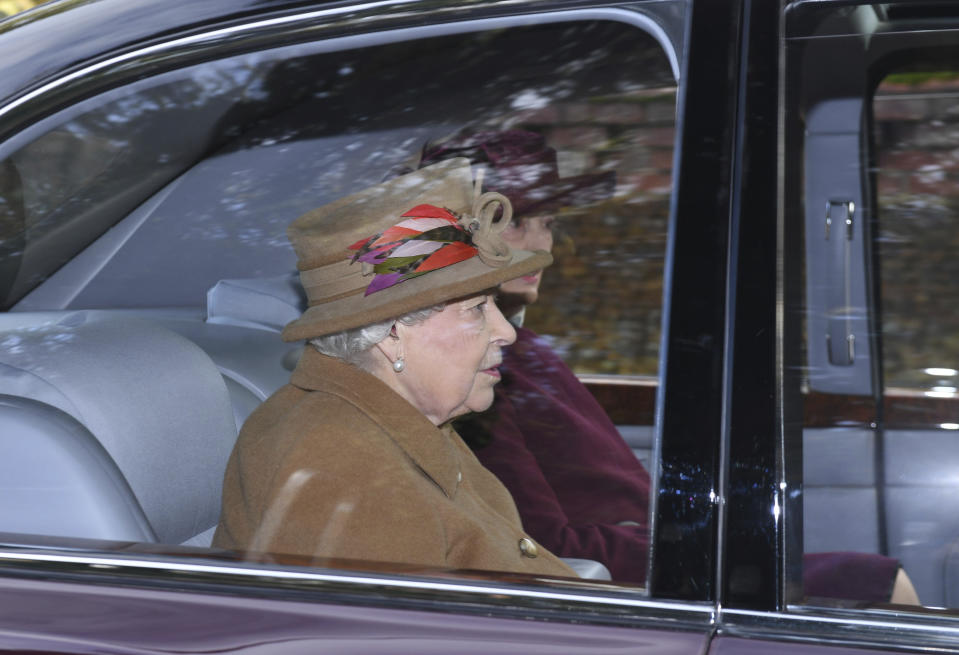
[873, 190]
[916, 199]
[86, 168]
[916, 247]
[148, 272]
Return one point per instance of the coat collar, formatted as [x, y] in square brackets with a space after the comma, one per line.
[431, 448]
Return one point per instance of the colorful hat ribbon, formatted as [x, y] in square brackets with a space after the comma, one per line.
[430, 238]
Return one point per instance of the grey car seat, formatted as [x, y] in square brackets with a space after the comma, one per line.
[111, 427]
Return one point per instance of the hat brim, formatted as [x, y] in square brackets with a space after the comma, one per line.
[462, 279]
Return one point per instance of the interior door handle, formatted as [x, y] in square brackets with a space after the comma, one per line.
[840, 340]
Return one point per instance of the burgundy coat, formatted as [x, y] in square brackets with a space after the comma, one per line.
[582, 493]
[578, 487]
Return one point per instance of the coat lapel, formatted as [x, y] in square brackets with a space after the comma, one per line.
[429, 447]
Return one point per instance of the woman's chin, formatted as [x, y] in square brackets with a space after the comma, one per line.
[480, 401]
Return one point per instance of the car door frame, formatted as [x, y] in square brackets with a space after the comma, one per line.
[115, 566]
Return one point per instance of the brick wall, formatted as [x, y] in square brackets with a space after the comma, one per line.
[916, 132]
[601, 302]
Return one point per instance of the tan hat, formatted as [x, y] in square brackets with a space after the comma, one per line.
[354, 276]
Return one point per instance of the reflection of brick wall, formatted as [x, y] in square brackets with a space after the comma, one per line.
[916, 130]
[602, 299]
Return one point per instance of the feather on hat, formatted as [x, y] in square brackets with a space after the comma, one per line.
[409, 243]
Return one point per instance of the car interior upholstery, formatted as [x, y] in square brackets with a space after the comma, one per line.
[146, 404]
[151, 395]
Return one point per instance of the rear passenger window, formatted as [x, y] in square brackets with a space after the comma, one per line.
[916, 138]
[915, 125]
[874, 325]
[137, 239]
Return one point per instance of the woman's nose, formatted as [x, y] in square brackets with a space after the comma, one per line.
[502, 331]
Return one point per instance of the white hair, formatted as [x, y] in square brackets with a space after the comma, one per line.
[354, 345]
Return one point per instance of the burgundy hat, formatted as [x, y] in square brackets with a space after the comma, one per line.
[520, 165]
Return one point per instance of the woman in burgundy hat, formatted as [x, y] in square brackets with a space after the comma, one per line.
[579, 489]
[576, 483]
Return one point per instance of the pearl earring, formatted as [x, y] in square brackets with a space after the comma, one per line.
[399, 365]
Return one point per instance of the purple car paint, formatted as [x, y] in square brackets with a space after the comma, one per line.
[73, 618]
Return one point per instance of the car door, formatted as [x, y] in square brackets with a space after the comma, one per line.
[148, 181]
[861, 400]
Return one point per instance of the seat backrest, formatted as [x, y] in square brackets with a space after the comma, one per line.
[262, 303]
[923, 529]
[152, 400]
[56, 479]
[842, 493]
[841, 510]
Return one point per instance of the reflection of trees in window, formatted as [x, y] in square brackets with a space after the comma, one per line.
[603, 95]
[602, 299]
[150, 133]
[601, 92]
[11, 7]
[917, 136]
[84, 175]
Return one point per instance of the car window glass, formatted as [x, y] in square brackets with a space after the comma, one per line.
[150, 224]
[871, 198]
[96, 162]
[915, 144]
[916, 201]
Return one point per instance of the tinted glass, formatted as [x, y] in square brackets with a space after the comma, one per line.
[918, 196]
[151, 220]
[872, 329]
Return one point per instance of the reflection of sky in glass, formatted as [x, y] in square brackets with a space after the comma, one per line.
[36, 338]
[276, 161]
[530, 99]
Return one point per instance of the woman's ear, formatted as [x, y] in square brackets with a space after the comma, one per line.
[392, 346]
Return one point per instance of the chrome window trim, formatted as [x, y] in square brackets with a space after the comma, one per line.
[917, 630]
[306, 21]
[619, 380]
[588, 602]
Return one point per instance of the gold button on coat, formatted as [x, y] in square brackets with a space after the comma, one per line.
[527, 547]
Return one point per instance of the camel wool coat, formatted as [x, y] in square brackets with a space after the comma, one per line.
[337, 465]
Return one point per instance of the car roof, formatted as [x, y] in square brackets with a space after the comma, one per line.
[56, 37]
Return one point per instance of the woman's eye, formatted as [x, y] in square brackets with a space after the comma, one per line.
[483, 304]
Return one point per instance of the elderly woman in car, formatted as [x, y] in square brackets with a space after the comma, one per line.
[355, 458]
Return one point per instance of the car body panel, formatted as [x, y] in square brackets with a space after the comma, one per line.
[123, 620]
